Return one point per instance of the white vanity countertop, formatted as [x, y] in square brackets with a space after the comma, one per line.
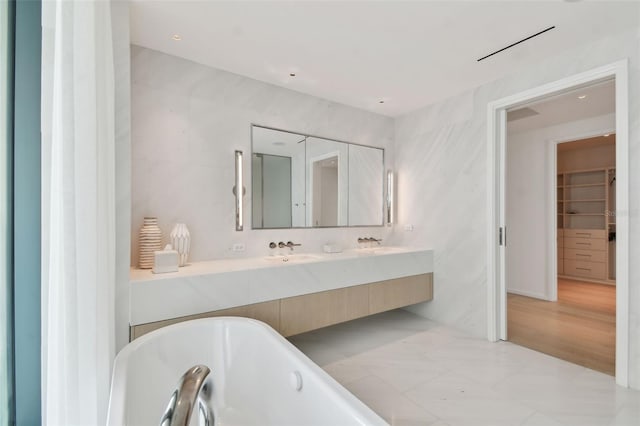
[219, 284]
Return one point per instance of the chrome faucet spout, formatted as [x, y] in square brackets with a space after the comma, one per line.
[291, 245]
[192, 388]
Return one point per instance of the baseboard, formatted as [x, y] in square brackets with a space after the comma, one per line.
[587, 280]
[528, 294]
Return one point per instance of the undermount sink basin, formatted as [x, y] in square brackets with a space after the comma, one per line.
[381, 250]
[294, 258]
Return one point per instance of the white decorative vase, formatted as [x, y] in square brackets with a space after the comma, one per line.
[181, 242]
[149, 241]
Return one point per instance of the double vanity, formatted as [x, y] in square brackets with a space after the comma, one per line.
[297, 181]
[293, 293]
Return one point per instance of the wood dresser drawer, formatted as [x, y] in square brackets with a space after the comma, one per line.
[578, 268]
[584, 243]
[585, 233]
[584, 255]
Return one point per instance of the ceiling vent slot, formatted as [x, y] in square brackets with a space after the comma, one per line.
[517, 42]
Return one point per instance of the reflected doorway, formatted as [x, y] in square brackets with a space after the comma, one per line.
[325, 191]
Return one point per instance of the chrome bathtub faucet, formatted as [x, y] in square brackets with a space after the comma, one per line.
[193, 388]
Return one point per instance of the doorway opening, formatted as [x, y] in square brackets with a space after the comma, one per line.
[503, 240]
[574, 321]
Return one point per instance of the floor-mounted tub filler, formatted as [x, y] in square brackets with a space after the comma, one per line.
[233, 371]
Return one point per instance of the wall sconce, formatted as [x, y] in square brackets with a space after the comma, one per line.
[239, 193]
[390, 200]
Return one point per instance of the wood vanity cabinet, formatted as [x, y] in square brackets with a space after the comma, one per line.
[298, 314]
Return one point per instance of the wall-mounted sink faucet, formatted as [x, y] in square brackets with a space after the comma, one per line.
[281, 244]
[369, 240]
[289, 244]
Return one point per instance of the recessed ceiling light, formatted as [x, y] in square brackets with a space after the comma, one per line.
[176, 37]
[292, 74]
[606, 135]
[582, 96]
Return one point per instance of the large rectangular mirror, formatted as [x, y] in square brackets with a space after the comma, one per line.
[302, 181]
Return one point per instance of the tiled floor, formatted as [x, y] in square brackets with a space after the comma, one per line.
[412, 371]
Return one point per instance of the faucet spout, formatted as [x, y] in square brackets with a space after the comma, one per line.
[291, 245]
[192, 388]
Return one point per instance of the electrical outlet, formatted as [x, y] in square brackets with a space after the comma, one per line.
[408, 227]
[238, 247]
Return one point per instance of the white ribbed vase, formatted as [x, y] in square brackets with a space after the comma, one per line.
[181, 242]
[149, 241]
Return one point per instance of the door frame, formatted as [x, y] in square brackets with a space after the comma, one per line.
[496, 220]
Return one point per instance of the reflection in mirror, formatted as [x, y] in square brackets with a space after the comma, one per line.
[277, 179]
[324, 192]
[365, 185]
[306, 181]
[271, 182]
[327, 186]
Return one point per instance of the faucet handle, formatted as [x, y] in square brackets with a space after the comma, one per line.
[272, 245]
[281, 244]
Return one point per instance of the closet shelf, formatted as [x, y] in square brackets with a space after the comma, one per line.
[584, 185]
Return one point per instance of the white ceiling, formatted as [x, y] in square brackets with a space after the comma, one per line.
[409, 54]
[599, 99]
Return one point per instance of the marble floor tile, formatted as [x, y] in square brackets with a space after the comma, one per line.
[389, 403]
[413, 371]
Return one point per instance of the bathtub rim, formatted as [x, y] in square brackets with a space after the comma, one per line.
[362, 413]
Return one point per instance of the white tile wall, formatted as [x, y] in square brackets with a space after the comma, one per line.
[187, 120]
[441, 161]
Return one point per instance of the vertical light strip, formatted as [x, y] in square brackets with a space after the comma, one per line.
[390, 204]
[239, 190]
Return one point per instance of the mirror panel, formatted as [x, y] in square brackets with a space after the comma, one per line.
[271, 182]
[328, 182]
[277, 179]
[305, 181]
[366, 174]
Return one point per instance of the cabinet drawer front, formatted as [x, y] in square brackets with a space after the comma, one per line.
[311, 311]
[584, 255]
[584, 244]
[399, 292]
[594, 270]
[585, 233]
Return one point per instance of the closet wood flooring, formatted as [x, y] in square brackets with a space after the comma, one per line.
[580, 327]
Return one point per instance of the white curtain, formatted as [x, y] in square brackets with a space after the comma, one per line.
[78, 254]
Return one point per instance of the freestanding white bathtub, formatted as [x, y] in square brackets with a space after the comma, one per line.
[255, 375]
